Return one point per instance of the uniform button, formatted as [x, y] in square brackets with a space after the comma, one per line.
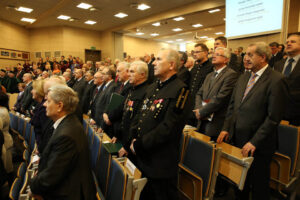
[139, 128]
[150, 101]
[154, 95]
[141, 121]
[157, 89]
[143, 114]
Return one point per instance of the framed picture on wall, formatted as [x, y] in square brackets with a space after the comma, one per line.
[38, 54]
[48, 54]
[56, 53]
[12, 54]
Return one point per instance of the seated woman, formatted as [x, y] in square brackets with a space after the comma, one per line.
[56, 70]
[39, 113]
[8, 141]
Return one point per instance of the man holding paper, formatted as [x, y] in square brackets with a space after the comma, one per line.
[213, 97]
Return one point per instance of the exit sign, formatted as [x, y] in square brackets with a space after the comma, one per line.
[93, 48]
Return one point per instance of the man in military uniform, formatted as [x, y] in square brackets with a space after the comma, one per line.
[202, 67]
[138, 73]
[158, 129]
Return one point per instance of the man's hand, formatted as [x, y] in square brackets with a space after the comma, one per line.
[114, 140]
[122, 152]
[223, 136]
[106, 119]
[197, 113]
[92, 122]
[131, 146]
[248, 147]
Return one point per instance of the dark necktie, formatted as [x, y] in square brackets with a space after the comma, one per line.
[121, 88]
[288, 68]
[212, 79]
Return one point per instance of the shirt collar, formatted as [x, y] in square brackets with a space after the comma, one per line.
[296, 58]
[261, 71]
[108, 82]
[57, 122]
[220, 70]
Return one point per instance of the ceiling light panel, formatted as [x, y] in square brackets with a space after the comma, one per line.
[63, 17]
[139, 33]
[197, 25]
[177, 29]
[156, 24]
[154, 34]
[178, 19]
[178, 40]
[215, 10]
[84, 6]
[121, 15]
[219, 33]
[24, 19]
[24, 9]
[143, 7]
[90, 22]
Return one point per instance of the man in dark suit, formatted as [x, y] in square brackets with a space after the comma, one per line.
[149, 61]
[27, 100]
[103, 100]
[79, 85]
[233, 63]
[202, 67]
[64, 168]
[88, 91]
[276, 54]
[159, 127]
[213, 97]
[183, 73]
[98, 82]
[113, 117]
[254, 112]
[69, 80]
[290, 68]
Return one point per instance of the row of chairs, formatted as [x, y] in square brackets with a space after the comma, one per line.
[112, 177]
[201, 161]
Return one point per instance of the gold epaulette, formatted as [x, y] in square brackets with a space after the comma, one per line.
[182, 98]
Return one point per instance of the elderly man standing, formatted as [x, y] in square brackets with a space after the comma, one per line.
[64, 169]
[27, 96]
[213, 97]
[254, 112]
[159, 127]
[80, 83]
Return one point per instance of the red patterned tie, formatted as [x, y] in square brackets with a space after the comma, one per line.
[250, 84]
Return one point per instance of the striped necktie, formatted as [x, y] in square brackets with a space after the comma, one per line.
[288, 68]
[250, 84]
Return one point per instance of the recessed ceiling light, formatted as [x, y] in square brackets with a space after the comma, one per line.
[170, 41]
[215, 10]
[143, 7]
[177, 29]
[178, 40]
[224, 19]
[23, 9]
[24, 19]
[203, 37]
[63, 17]
[121, 15]
[84, 6]
[197, 25]
[178, 19]
[71, 19]
[156, 24]
[139, 33]
[90, 22]
[154, 34]
[219, 33]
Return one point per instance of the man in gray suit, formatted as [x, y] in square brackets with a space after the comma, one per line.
[254, 112]
[213, 97]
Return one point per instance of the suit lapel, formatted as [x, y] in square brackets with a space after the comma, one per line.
[260, 81]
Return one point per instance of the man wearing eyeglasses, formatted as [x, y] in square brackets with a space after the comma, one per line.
[202, 67]
[213, 97]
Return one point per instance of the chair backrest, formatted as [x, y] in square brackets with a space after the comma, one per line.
[95, 151]
[22, 170]
[28, 129]
[199, 158]
[15, 189]
[26, 156]
[14, 120]
[102, 168]
[288, 143]
[32, 140]
[90, 136]
[117, 181]
[182, 145]
[21, 126]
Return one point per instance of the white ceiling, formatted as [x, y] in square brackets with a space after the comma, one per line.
[46, 12]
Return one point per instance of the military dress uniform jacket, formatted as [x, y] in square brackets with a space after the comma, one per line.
[131, 107]
[159, 127]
